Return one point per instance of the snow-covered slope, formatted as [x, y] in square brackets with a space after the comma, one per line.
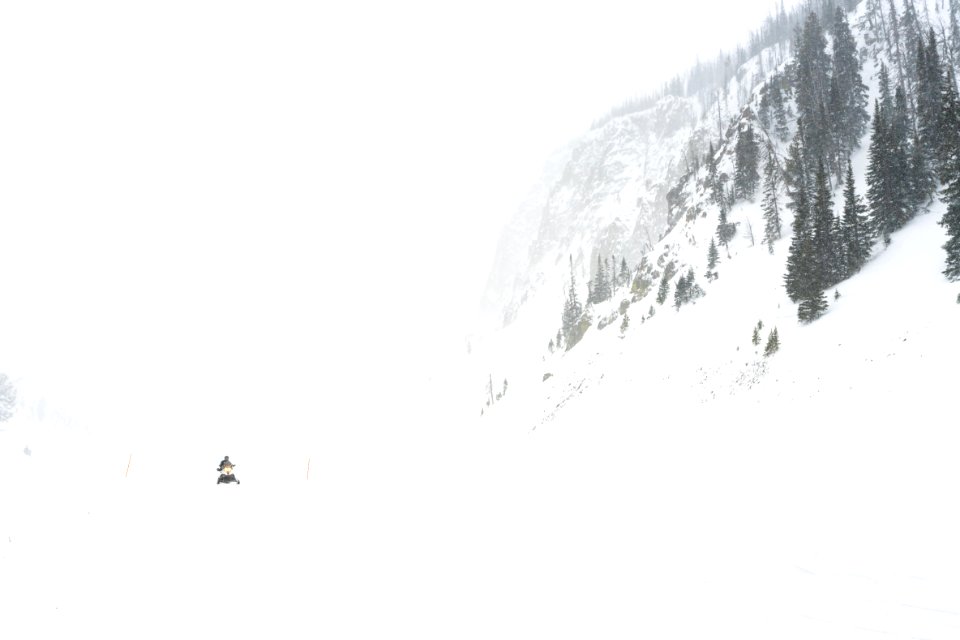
[604, 194]
[706, 344]
[801, 495]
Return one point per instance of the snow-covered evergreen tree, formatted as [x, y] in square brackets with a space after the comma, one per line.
[772, 230]
[949, 134]
[664, 289]
[795, 169]
[746, 154]
[922, 183]
[572, 312]
[951, 190]
[797, 279]
[680, 291]
[600, 289]
[886, 175]
[712, 257]
[824, 260]
[929, 91]
[780, 128]
[812, 307]
[900, 171]
[686, 290]
[851, 100]
[857, 238]
[773, 343]
[812, 87]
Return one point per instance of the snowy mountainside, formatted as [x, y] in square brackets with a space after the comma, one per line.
[703, 351]
[605, 193]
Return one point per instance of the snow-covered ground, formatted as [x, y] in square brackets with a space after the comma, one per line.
[820, 502]
[807, 495]
[669, 501]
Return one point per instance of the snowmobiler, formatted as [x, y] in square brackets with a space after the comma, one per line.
[226, 472]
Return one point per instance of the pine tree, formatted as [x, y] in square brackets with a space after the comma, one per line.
[912, 34]
[856, 232]
[773, 343]
[897, 55]
[798, 278]
[780, 128]
[624, 273]
[763, 110]
[852, 93]
[719, 197]
[796, 167]
[951, 220]
[746, 175]
[886, 95]
[572, 312]
[812, 86]
[820, 142]
[825, 260]
[664, 290]
[755, 339]
[949, 134]
[725, 230]
[839, 250]
[681, 291]
[922, 182]
[883, 191]
[900, 174]
[805, 275]
[929, 92]
[835, 127]
[813, 307]
[951, 190]
[771, 208]
[687, 289]
[712, 257]
[712, 178]
[601, 283]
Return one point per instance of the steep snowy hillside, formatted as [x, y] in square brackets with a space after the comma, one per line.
[704, 348]
[605, 194]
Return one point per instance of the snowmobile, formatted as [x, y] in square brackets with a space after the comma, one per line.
[226, 474]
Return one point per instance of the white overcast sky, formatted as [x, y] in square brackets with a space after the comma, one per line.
[231, 210]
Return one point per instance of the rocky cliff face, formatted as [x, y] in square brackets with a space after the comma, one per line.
[605, 194]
